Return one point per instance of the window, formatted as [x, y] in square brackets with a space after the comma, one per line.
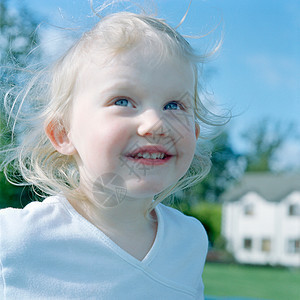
[293, 246]
[266, 245]
[294, 210]
[247, 244]
[249, 210]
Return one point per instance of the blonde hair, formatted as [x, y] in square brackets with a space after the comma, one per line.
[50, 94]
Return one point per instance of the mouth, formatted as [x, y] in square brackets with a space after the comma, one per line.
[150, 155]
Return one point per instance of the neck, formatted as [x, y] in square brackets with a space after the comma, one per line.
[127, 216]
[125, 224]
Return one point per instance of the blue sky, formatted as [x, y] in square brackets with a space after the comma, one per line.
[257, 70]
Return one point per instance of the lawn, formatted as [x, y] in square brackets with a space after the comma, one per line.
[252, 282]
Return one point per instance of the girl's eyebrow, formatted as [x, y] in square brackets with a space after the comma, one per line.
[186, 97]
[119, 84]
[125, 91]
[124, 85]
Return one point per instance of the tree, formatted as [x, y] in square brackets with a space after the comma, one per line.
[17, 28]
[10, 195]
[17, 39]
[264, 140]
[226, 167]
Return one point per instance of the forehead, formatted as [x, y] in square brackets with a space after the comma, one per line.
[139, 66]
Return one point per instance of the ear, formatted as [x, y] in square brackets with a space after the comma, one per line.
[59, 138]
[197, 130]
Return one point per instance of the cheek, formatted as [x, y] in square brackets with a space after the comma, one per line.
[99, 143]
[114, 136]
[187, 150]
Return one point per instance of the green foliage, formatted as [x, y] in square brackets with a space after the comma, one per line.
[10, 195]
[210, 215]
[17, 40]
[225, 169]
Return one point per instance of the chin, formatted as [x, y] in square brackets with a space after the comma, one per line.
[146, 190]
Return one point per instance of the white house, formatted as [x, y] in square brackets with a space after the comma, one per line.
[261, 219]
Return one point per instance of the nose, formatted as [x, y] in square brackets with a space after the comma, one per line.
[151, 123]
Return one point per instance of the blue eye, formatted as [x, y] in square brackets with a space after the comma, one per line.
[123, 102]
[174, 106]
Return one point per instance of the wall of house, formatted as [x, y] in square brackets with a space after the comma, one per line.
[289, 216]
[262, 232]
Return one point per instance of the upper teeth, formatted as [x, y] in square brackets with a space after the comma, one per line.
[151, 155]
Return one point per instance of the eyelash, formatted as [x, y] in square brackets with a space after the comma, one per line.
[182, 106]
[121, 98]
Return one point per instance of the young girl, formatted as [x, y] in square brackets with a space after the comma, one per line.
[119, 118]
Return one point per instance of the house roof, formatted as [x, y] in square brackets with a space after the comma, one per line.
[272, 187]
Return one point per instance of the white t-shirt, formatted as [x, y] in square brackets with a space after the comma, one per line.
[49, 251]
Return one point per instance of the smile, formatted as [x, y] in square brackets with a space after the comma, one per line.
[149, 161]
[150, 155]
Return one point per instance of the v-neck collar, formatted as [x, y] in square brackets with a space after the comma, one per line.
[115, 247]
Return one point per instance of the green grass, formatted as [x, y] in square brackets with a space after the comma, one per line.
[247, 281]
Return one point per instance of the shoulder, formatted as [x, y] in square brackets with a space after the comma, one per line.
[185, 245]
[187, 228]
[34, 211]
[176, 218]
[21, 224]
